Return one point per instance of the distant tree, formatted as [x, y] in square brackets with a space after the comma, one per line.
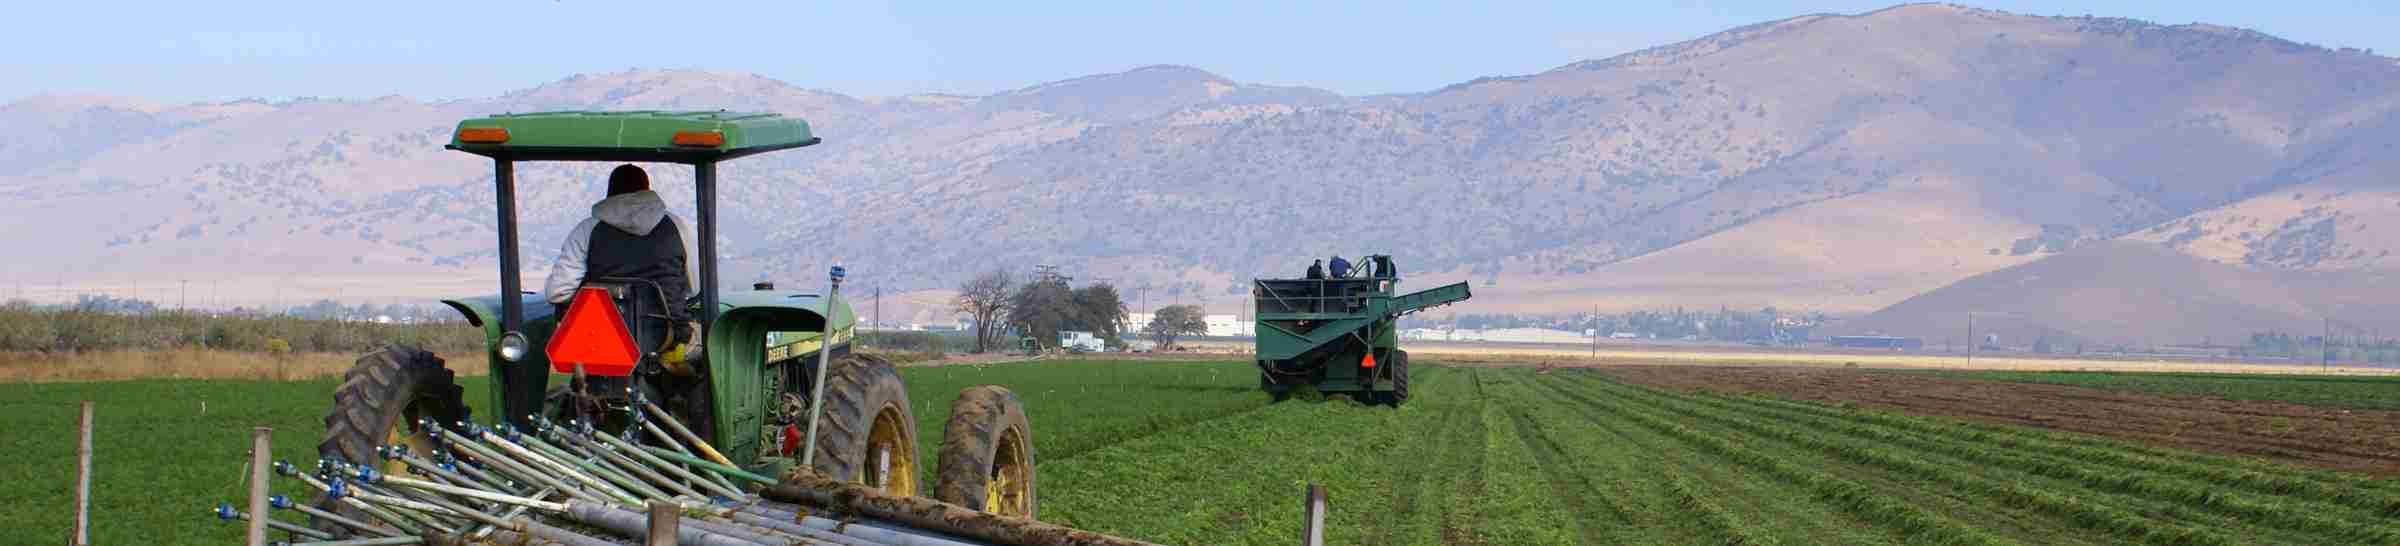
[1175, 320]
[1100, 309]
[1043, 307]
[1040, 308]
[986, 299]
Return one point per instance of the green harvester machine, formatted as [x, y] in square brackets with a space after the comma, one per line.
[1339, 335]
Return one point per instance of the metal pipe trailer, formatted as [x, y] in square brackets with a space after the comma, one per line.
[585, 487]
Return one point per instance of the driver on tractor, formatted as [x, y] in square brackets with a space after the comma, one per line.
[630, 236]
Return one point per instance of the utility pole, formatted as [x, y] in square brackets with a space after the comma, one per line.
[879, 306]
[1971, 343]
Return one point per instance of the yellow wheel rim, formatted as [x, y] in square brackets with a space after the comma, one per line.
[1009, 492]
[891, 454]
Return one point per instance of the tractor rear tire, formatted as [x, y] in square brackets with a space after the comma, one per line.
[1277, 391]
[379, 403]
[867, 433]
[1399, 393]
[987, 454]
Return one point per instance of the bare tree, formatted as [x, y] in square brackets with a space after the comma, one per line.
[986, 299]
[1175, 320]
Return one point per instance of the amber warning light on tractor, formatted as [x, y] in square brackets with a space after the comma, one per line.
[705, 139]
[483, 135]
[594, 335]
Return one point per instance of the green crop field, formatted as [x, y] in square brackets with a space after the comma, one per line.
[2379, 392]
[1189, 453]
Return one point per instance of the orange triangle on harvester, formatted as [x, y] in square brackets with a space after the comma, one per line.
[594, 335]
[1368, 362]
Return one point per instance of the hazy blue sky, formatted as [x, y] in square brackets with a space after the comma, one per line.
[442, 49]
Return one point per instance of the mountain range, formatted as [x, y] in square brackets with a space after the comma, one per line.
[1835, 163]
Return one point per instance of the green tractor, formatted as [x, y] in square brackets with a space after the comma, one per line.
[751, 404]
[1340, 335]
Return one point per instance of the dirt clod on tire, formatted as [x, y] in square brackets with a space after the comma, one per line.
[393, 386]
[988, 444]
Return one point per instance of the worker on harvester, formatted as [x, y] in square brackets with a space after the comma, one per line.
[630, 235]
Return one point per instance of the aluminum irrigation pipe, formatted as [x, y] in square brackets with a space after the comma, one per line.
[337, 473]
[603, 465]
[385, 541]
[512, 467]
[448, 475]
[706, 451]
[598, 467]
[816, 398]
[637, 467]
[226, 512]
[856, 533]
[631, 524]
[813, 489]
[604, 455]
[281, 502]
[512, 513]
[729, 492]
[369, 475]
[405, 524]
[460, 473]
[562, 468]
[444, 505]
[727, 470]
[644, 418]
[726, 528]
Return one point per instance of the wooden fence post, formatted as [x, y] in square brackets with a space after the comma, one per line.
[83, 480]
[260, 448]
[1312, 519]
[664, 518]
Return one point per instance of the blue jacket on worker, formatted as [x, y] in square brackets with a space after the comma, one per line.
[1341, 267]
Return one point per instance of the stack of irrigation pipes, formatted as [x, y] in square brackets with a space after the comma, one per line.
[573, 485]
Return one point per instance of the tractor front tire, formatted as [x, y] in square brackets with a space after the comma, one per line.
[1277, 391]
[379, 403]
[867, 434]
[987, 454]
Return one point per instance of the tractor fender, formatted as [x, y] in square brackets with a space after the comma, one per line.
[737, 355]
[484, 311]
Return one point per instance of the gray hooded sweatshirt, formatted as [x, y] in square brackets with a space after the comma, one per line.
[637, 213]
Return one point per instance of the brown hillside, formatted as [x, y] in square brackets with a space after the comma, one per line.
[2137, 294]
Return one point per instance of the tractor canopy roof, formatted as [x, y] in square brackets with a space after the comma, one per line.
[638, 135]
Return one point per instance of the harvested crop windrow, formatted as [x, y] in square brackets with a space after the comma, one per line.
[2069, 509]
[2266, 478]
[2133, 506]
[1919, 525]
[1428, 439]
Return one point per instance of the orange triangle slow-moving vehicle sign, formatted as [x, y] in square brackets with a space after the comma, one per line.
[1368, 362]
[594, 335]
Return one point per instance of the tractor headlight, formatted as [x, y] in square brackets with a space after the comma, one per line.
[513, 346]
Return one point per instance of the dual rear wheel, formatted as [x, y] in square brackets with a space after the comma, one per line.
[868, 436]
